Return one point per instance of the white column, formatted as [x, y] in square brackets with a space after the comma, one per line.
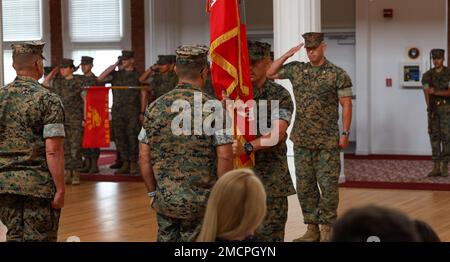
[363, 79]
[2, 227]
[293, 18]
[1, 45]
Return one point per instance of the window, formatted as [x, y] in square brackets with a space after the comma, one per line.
[96, 28]
[23, 20]
[95, 21]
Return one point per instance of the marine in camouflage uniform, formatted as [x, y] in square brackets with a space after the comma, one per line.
[318, 91]
[185, 166]
[125, 113]
[90, 155]
[271, 163]
[438, 101]
[69, 88]
[30, 114]
[163, 82]
[159, 79]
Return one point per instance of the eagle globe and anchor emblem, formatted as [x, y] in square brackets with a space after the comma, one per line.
[94, 119]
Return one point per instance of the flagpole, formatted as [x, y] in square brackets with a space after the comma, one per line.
[116, 87]
[243, 12]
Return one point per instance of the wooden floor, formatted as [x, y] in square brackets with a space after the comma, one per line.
[113, 212]
[120, 211]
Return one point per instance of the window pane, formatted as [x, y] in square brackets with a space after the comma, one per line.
[95, 20]
[21, 20]
[102, 58]
[8, 70]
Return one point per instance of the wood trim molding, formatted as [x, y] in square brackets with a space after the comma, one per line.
[138, 32]
[56, 32]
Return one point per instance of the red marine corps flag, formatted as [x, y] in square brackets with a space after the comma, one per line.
[230, 67]
[97, 127]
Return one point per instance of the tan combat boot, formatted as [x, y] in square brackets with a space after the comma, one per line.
[94, 166]
[67, 177]
[436, 170]
[134, 168]
[444, 169]
[312, 234]
[325, 233]
[87, 165]
[75, 178]
[125, 169]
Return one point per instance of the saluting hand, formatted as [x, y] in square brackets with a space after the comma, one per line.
[54, 72]
[294, 50]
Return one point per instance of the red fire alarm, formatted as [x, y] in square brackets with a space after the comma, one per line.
[388, 82]
[388, 13]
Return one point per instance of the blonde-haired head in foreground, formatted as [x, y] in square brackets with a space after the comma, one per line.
[236, 207]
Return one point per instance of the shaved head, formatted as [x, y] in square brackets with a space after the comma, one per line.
[25, 62]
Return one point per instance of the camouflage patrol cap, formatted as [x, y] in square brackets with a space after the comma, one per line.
[258, 50]
[437, 53]
[313, 39]
[33, 47]
[48, 69]
[166, 59]
[192, 55]
[126, 54]
[87, 60]
[66, 62]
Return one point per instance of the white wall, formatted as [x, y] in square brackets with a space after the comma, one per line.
[393, 120]
[2, 227]
[1, 45]
[194, 22]
[170, 23]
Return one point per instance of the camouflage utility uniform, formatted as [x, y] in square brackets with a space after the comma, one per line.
[69, 90]
[272, 167]
[30, 114]
[316, 136]
[271, 163]
[125, 114]
[163, 83]
[438, 116]
[185, 167]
